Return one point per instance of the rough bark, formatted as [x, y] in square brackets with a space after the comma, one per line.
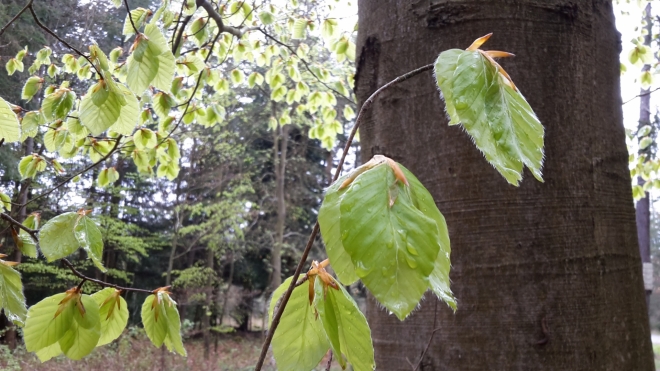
[547, 275]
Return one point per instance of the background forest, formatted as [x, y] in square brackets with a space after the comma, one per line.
[228, 221]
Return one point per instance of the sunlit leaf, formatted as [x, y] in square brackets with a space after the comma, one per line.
[151, 62]
[12, 300]
[113, 313]
[109, 105]
[10, 129]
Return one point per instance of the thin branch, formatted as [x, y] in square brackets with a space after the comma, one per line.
[99, 282]
[428, 344]
[179, 34]
[28, 5]
[307, 67]
[65, 181]
[327, 367]
[315, 231]
[128, 11]
[12, 221]
[178, 20]
[2, 141]
[238, 32]
[48, 30]
[640, 95]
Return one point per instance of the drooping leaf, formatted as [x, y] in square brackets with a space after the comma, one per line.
[70, 319]
[299, 30]
[12, 300]
[480, 95]
[145, 139]
[113, 313]
[151, 62]
[392, 244]
[90, 239]
[343, 322]
[299, 342]
[107, 176]
[28, 245]
[31, 87]
[5, 202]
[161, 321]
[10, 129]
[109, 105]
[65, 233]
[139, 17]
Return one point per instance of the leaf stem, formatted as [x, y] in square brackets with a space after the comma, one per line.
[99, 282]
[315, 230]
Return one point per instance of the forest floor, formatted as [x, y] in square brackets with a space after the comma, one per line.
[134, 352]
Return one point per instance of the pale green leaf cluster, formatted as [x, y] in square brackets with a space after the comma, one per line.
[495, 114]
[10, 129]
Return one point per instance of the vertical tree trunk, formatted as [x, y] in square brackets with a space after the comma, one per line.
[643, 206]
[280, 174]
[547, 275]
[208, 303]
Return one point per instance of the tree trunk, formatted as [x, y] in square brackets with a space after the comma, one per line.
[643, 206]
[208, 303]
[547, 275]
[280, 174]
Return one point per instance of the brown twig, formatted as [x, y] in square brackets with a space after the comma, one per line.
[327, 367]
[640, 95]
[86, 169]
[28, 5]
[315, 230]
[2, 141]
[53, 34]
[99, 282]
[179, 33]
[428, 344]
[130, 18]
[31, 232]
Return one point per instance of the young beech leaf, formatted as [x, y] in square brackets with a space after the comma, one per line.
[480, 95]
[151, 62]
[10, 129]
[161, 321]
[70, 320]
[28, 246]
[113, 313]
[62, 235]
[5, 202]
[384, 228]
[12, 300]
[58, 104]
[299, 342]
[346, 327]
[108, 104]
[31, 87]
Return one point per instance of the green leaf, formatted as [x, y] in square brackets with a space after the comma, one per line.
[62, 235]
[90, 239]
[346, 327]
[5, 201]
[392, 244]
[145, 139]
[10, 129]
[30, 165]
[266, 17]
[113, 313]
[329, 216]
[645, 143]
[12, 300]
[107, 177]
[69, 319]
[328, 28]
[299, 342]
[494, 113]
[139, 17]
[109, 105]
[151, 63]
[85, 331]
[236, 76]
[161, 322]
[55, 139]
[31, 87]
[27, 244]
[299, 30]
[163, 103]
[42, 327]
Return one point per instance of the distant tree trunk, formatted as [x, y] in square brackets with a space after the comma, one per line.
[280, 175]
[208, 303]
[548, 275]
[643, 206]
[11, 336]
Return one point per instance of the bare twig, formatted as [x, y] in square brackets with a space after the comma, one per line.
[86, 169]
[12, 221]
[641, 95]
[179, 33]
[315, 230]
[99, 282]
[327, 367]
[178, 21]
[128, 11]
[428, 344]
[2, 141]
[238, 32]
[28, 5]
[53, 34]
